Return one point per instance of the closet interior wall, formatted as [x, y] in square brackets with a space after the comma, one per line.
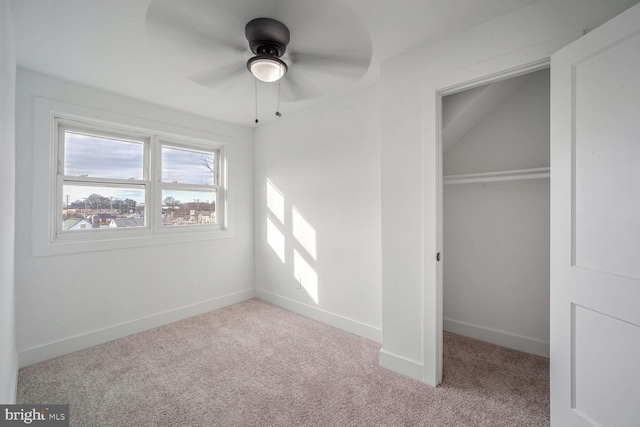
[496, 213]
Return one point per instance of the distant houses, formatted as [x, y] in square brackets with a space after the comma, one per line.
[106, 220]
[126, 222]
[203, 218]
[190, 217]
[96, 221]
[76, 224]
[103, 218]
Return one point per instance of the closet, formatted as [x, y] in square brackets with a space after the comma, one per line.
[496, 213]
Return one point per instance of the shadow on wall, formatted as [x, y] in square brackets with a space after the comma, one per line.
[293, 240]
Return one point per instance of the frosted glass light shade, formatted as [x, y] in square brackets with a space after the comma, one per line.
[266, 68]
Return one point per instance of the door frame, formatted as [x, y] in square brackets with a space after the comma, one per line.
[525, 61]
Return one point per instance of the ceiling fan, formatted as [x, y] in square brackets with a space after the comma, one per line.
[310, 48]
[268, 39]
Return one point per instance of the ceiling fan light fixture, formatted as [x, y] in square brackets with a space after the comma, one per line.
[267, 68]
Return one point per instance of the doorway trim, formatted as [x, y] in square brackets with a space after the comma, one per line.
[524, 61]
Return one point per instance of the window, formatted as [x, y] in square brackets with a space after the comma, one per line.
[190, 184]
[116, 183]
[103, 180]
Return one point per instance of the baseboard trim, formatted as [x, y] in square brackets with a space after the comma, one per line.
[336, 320]
[69, 345]
[13, 392]
[497, 337]
[401, 365]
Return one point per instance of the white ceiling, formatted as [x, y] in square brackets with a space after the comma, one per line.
[104, 44]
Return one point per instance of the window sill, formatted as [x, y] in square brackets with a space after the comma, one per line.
[62, 246]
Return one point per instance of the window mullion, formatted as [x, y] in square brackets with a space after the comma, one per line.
[59, 203]
[56, 223]
[152, 166]
[188, 187]
[84, 180]
[222, 199]
[60, 152]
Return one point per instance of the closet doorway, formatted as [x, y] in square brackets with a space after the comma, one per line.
[495, 212]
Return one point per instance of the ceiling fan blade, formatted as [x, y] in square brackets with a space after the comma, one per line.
[296, 89]
[328, 28]
[329, 50]
[348, 66]
[232, 79]
[188, 25]
[304, 81]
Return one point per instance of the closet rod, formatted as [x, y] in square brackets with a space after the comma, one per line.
[511, 175]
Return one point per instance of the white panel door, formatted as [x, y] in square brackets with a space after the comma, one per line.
[595, 227]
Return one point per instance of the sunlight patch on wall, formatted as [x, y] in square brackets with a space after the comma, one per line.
[288, 231]
[276, 240]
[305, 275]
[275, 201]
[304, 233]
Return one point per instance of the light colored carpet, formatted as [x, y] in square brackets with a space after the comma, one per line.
[255, 364]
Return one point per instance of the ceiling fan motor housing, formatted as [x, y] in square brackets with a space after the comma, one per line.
[267, 36]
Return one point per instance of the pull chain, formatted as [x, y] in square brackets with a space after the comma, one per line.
[278, 101]
[256, 96]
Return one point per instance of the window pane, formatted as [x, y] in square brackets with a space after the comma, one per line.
[188, 167]
[188, 207]
[95, 207]
[86, 155]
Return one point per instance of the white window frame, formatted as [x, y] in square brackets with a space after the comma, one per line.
[47, 236]
[219, 187]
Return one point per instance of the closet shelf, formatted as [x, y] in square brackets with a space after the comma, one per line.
[512, 175]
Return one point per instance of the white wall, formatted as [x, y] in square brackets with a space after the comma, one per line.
[325, 163]
[496, 234]
[403, 224]
[8, 359]
[67, 302]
